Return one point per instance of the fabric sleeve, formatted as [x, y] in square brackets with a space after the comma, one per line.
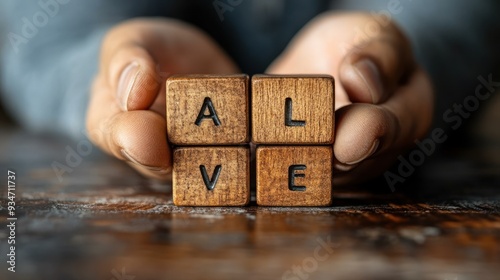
[50, 55]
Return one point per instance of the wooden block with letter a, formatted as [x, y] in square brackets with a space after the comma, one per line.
[294, 175]
[207, 110]
[211, 176]
[293, 109]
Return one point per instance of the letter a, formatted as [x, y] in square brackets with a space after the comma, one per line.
[207, 104]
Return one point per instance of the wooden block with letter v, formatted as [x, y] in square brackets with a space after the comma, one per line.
[293, 109]
[211, 176]
[294, 175]
[207, 110]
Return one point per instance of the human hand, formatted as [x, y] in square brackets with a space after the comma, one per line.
[384, 100]
[126, 114]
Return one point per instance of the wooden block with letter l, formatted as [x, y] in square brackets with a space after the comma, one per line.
[211, 176]
[207, 110]
[294, 175]
[293, 109]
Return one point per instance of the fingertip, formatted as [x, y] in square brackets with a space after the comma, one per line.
[373, 69]
[126, 82]
[133, 78]
[363, 130]
[161, 173]
[362, 80]
[139, 138]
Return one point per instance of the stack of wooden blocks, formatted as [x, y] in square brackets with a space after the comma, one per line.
[212, 120]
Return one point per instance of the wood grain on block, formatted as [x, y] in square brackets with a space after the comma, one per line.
[207, 110]
[211, 176]
[294, 176]
[293, 109]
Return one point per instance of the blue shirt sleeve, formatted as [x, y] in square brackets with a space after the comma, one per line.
[50, 54]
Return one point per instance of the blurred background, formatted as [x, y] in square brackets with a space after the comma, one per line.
[101, 220]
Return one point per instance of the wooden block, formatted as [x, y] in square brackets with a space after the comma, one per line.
[211, 176]
[207, 110]
[294, 176]
[293, 109]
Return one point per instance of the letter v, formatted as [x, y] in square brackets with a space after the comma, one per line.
[210, 183]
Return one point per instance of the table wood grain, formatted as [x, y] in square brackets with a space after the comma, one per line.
[104, 221]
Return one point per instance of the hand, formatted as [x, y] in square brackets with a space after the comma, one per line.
[384, 100]
[126, 114]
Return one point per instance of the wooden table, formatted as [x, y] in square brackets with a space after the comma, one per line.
[103, 221]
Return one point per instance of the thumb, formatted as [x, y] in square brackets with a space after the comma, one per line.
[138, 55]
[372, 70]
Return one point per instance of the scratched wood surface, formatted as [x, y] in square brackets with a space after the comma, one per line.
[103, 221]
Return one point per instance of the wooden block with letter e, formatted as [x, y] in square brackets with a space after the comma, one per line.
[294, 175]
[293, 109]
[207, 110]
[211, 176]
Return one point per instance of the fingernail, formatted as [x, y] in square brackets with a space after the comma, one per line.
[370, 74]
[126, 82]
[370, 152]
[157, 170]
[343, 167]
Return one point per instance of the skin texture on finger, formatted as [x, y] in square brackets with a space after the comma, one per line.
[183, 47]
[333, 43]
[138, 56]
[372, 71]
[132, 78]
[320, 47]
[395, 124]
[141, 134]
[413, 105]
[135, 130]
[100, 112]
[371, 129]
[358, 127]
[140, 137]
